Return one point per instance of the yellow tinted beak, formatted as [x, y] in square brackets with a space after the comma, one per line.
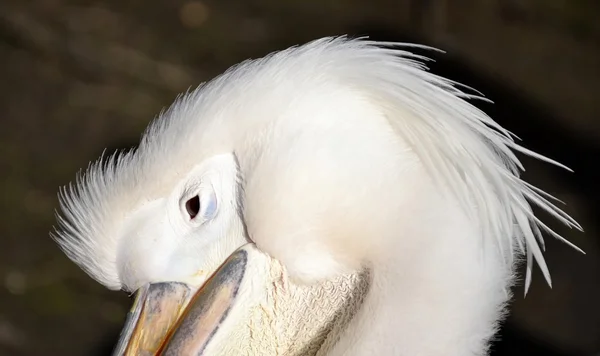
[154, 327]
[248, 306]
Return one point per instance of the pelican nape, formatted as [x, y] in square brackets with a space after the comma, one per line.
[334, 198]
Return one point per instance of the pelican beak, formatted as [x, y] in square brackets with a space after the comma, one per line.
[174, 318]
[247, 306]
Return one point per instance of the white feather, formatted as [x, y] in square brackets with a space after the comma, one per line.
[324, 134]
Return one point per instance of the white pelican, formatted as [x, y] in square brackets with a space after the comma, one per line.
[351, 202]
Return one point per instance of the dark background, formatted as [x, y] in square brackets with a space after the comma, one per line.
[80, 76]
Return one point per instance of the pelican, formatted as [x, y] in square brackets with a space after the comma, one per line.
[334, 198]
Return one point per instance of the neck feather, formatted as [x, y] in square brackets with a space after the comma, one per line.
[446, 299]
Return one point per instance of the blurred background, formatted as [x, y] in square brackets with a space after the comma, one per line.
[81, 76]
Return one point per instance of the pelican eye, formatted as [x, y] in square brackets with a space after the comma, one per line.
[193, 206]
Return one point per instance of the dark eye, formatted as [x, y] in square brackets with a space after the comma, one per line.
[193, 206]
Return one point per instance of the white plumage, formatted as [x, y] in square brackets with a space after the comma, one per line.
[332, 157]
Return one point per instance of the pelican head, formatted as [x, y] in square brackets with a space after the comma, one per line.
[330, 199]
